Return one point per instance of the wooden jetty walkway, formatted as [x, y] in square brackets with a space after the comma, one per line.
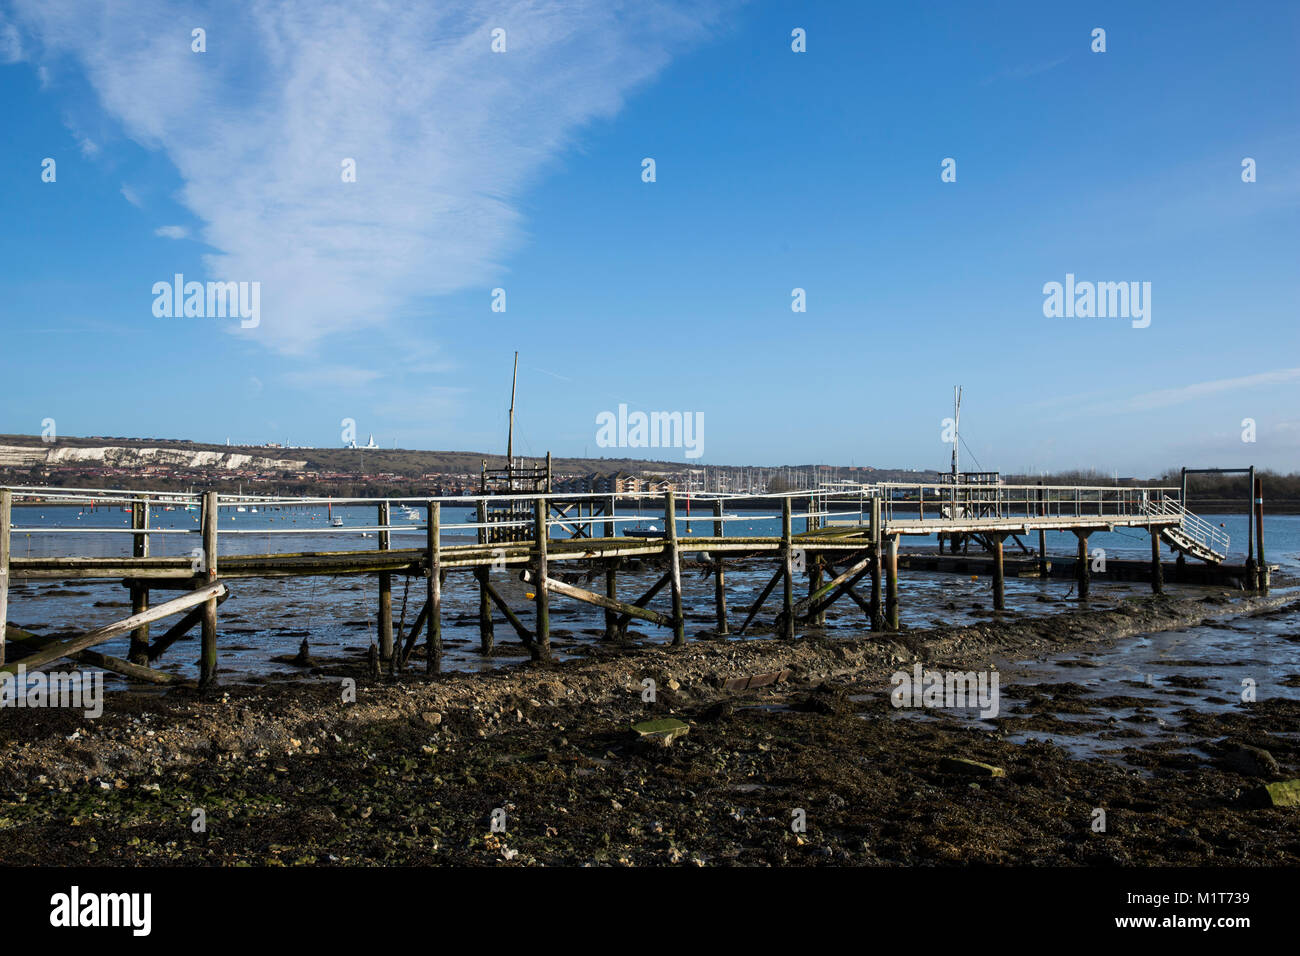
[850, 533]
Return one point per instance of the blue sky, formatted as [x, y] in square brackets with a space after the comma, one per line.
[775, 170]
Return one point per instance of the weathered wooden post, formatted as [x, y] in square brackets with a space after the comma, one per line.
[719, 576]
[208, 575]
[611, 571]
[6, 523]
[814, 567]
[486, 632]
[1082, 569]
[891, 582]
[787, 582]
[385, 589]
[1252, 566]
[877, 618]
[433, 589]
[999, 575]
[1157, 571]
[138, 653]
[541, 646]
[674, 569]
[1042, 537]
[1261, 565]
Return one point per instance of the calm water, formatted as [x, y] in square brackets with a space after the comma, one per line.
[263, 619]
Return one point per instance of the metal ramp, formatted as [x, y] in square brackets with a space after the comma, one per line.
[1193, 535]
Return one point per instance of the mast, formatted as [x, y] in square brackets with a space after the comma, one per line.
[956, 428]
[510, 435]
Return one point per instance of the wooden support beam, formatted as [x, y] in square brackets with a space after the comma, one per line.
[591, 597]
[1082, 569]
[433, 588]
[180, 628]
[385, 588]
[1157, 571]
[719, 575]
[786, 620]
[829, 593]
[644, 600]
[208, 574]
[877, 617]
[541, 646]
[138, 652]
[999, 574]
[486, 634]
[28, 641]
[674, 568]
[1261, 565]
[818, 618]
[762, 597]
[6, 524]
[524, 633]
[98, 636]
[851, 591]
[891, 582]
[611, 573]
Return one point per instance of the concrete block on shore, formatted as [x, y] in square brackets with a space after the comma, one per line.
[663, 731]
[1283, 793]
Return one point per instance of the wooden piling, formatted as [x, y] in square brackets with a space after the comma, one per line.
[208, 576]
[433, 588]
[1082, 568]
[877, 618]
[674, 568]
[1261, 565]
[138, 652]
[385, 589]
[999, 575]
[6, 523]
[1042, 537]
[486, 632]
[1157, 571]
[611, 571]
[541, 646]
[891, 582]
[787, 585]
[719, 575]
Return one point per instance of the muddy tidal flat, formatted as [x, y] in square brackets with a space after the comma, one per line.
[540, 765]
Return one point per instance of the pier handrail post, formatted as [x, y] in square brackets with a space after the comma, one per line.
[208, 575]
[486, 632]
[433, 588]
[385, 588]
[138, 653]
[719, 575]
[787, 559]
[674, 568]
[541, 646]
[6, 524]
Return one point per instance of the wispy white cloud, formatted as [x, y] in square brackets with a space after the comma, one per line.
[131, 196]
[171, 232]
[1165, 397]
[331, 376]
[445, 133]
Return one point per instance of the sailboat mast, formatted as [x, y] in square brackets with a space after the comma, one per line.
[510, 436]
[956, 428]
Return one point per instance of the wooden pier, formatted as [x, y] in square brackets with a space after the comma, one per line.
[848, 536]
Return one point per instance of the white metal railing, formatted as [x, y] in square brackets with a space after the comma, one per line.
[1194, 526]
